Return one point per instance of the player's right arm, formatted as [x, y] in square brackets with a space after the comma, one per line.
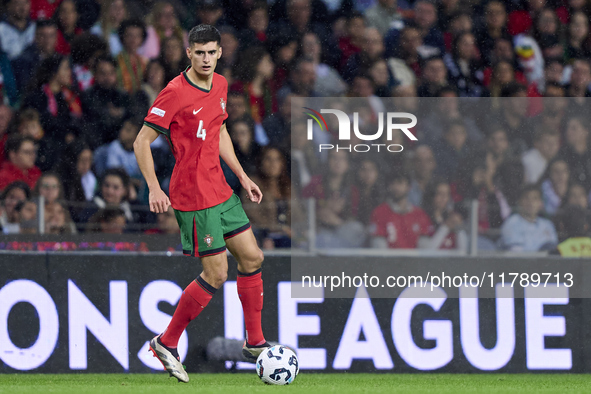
[159, 201]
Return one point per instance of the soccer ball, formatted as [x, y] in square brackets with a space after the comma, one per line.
[277, 365]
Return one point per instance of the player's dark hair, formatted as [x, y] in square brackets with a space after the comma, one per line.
[202, 34]
[132, 23]
[14, 142]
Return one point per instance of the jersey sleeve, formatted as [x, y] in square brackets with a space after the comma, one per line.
[162, 111]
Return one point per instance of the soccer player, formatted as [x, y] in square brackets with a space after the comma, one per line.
[191, 113]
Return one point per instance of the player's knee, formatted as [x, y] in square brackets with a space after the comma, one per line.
[216, 278]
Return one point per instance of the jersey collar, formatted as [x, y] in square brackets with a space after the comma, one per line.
[192, 84]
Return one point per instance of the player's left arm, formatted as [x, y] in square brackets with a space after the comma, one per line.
[229, 156]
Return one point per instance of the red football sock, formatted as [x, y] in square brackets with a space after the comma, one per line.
[193, 300]
[250, 291]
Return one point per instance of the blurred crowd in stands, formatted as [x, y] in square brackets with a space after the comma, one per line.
[78, 76]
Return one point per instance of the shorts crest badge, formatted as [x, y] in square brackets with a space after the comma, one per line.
[208, 240]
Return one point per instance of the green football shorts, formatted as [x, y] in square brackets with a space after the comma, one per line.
[204, 232]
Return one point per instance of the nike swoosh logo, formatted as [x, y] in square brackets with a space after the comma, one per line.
[196, 112]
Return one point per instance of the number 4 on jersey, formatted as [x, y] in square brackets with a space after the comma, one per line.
[201, 131]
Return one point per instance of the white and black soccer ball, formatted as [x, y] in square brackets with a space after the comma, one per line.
[277, 365]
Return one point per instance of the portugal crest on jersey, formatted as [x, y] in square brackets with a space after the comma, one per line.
[208, 240]
[223, 105]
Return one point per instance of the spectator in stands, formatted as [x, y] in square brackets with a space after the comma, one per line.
[525, 230]
[119, 153]
[154, 82]
[535, 160]
[166, 223]
[5, 121]
[522, 21]
[446, 231]
[17, 31]
[425, 18]
[367, 189]
[27, 214]
[271, 219]
[25, 65]
[443, 111]
[451, 149]
[423, 167]
[85, 49]
[554, 184]
[50, 187]
[495, 27]
[459, 22]
[405, 60]
[577, 37]
[21, 153]
[396, 223]
[163, 23]
[382, 78]
[579, 86]
[553, 72]
[576, 195]
[105, 106]
[130, 64]
[372, 51]
[573, 229]
[113, 13]
[8, 88]
[465, 70]
[512, 116]
[15, 193]
[328, 82]
[299, 21]
[80, 183]
[116, 190]
[302, 79]
[475, 181]
[111, 220]
[247, 150]
[173, 57]
[257, 24]
[283, 47]
[56, 99]
[384, 16]
[58, 220]
[433, 77]
[211, 12]
[351, 43]
[252, 75]
[547, 32]
[66, 18]
[576, 151]
[338, 225]
[230, 44]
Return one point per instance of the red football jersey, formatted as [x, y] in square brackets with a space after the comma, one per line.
[401, 230]
[191, 117]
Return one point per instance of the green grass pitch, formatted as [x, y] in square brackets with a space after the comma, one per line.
[305, 383]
